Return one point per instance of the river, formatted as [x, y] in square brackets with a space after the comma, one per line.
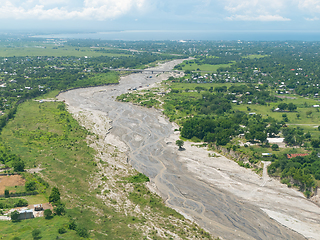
[146, 134]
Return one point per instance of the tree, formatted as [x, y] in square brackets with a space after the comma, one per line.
[47, 214]
[6, 193]
[36, 234]
[30, 186]
[59, 209]
[180, 143]
[274, 147]
[291, 107]
[15, 216]
[298, 115]
[315, 143]
[18, 165]
[55, 195]
[282, 106]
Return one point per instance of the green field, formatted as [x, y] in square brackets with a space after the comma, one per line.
[204, 67]
[49, 228]
[257, 56]
[48, 50]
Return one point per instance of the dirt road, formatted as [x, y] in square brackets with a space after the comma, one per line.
[227, 200]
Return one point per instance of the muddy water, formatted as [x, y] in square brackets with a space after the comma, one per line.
[142, 130]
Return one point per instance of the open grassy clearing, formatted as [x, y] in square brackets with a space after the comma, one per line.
[49, 228]
[204, 67]
[253, 56]
[52, 50]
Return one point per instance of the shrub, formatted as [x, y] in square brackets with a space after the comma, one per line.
[72, 225]
[47, 214]
[59, 209]
[15, 216]
[62, 230]
[82, 232]
[36, 234]
[30, 186]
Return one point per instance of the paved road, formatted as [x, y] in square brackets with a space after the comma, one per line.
[144, 132]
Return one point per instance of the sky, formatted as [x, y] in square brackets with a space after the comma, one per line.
[213, 15]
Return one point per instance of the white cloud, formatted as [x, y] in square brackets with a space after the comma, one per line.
[312, 19]
[312, 6]
[256, 10]
[91, 9]
[262, 18]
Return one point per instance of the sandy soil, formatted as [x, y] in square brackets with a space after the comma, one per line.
[225, 199]
[10, 181]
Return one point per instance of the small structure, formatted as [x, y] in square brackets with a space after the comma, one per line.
[38, 207]
[266, 154]
[26, 214]
[315, 106]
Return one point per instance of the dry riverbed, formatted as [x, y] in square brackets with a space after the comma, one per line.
[227, 200]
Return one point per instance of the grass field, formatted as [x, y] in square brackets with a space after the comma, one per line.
[253, 56]
[49, 228]
[48, 50]
[204, 67]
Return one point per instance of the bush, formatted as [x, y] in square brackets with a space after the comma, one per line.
[82, 232]
[275, 147]
[59, 209]
[36, 234]
[15, 216]
[6, 193]
[72, 225]
[62, 230]
[47, 214]
[21, 203]
[30, 186]
[139, 178]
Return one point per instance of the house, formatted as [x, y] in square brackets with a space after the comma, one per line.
[315, 106]
[25, 214]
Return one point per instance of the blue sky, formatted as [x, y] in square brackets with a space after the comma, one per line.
[214, 15]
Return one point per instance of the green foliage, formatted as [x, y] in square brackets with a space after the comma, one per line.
[30, 186]
[139, 178]
[72, 225]
[6, 193]
[82, 232]
[18, 165]
[15, 216]
[179, 143]
[47, 214]
[12, 203]
[54, 195]
[144, 198]
[59, 209]
[62, 230]
[302, 170]
[275, 147]
[36, 234]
